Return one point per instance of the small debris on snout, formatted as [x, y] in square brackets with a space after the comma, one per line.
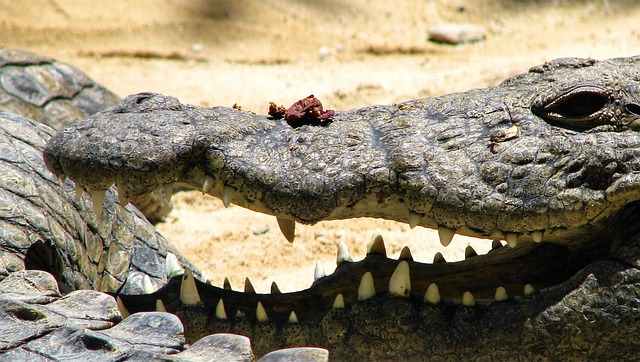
[502, 135]
[456, 33]
[307, 111]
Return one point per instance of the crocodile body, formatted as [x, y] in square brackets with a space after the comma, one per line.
[547, 156]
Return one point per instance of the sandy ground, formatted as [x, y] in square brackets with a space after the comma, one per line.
[348, 53]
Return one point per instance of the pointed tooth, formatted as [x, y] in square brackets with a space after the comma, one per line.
[496, 244]
[123, 310]
[97, 197]
[366, 289]
[468, 300]
[446, 235]
[319, 271]
[432, 294]
[207, 184]
[160, 306]
[62, 177]
[338, 303]
[261, 314]
[288, 228]
[414, 219]
[343, 254]
[220, 312]
[529, 290]
[79, 191]
[275, 289]
[405, 254]
[400, 281]
[172, 266]
[511, 239]
[239, 314]
[376, 244]
[293, 318]
[124, 201]
[438, 258]
[188, 289]
[469, 252]
[226, 284]
[147, 285]
[248, 287]
[168, 191]
[227, 193]
[501, 294]
[537, 236]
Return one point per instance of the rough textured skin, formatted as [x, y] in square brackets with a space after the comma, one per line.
[555, 151]
[51, 241]
[54, 93]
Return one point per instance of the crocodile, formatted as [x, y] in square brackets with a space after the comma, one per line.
[56, 260]
[54, 93]
[545, 161]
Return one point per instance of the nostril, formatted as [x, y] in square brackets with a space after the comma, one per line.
[633, 108]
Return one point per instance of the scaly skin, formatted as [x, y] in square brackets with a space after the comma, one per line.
[553, 152]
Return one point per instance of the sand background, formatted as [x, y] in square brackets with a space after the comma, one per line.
[348, 53]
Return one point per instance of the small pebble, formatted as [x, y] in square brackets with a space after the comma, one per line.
[456, 33]
[260, 230]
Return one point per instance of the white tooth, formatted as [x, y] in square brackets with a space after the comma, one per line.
[123, 310]
[319, 272]
[97, 197]
[288, 228]
[501, 294]
[446, 235]
[172, 266]
[248, 287]
[188, 290]
[226, 284]
[468, 300]
[207, 184]
[433, 294]
[495, 244]
[366, 289]
[168, 191]
[537, 236]
[469, 252]
[293, 318]
[405, 254]
[220, 312]
[343, 254]
[79, 191]
[227, 193]
[376, 244]
[512, 239]
[400, 281]
[160, 306]
[438, 258]
[414, 219]
[147, 285]
[261, 314]
[275, 289]
[338, 303]
[124, 201]
[529, 289]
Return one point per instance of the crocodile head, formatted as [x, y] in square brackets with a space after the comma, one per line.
[548, 161]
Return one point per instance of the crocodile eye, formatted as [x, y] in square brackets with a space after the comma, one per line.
[578, 109]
